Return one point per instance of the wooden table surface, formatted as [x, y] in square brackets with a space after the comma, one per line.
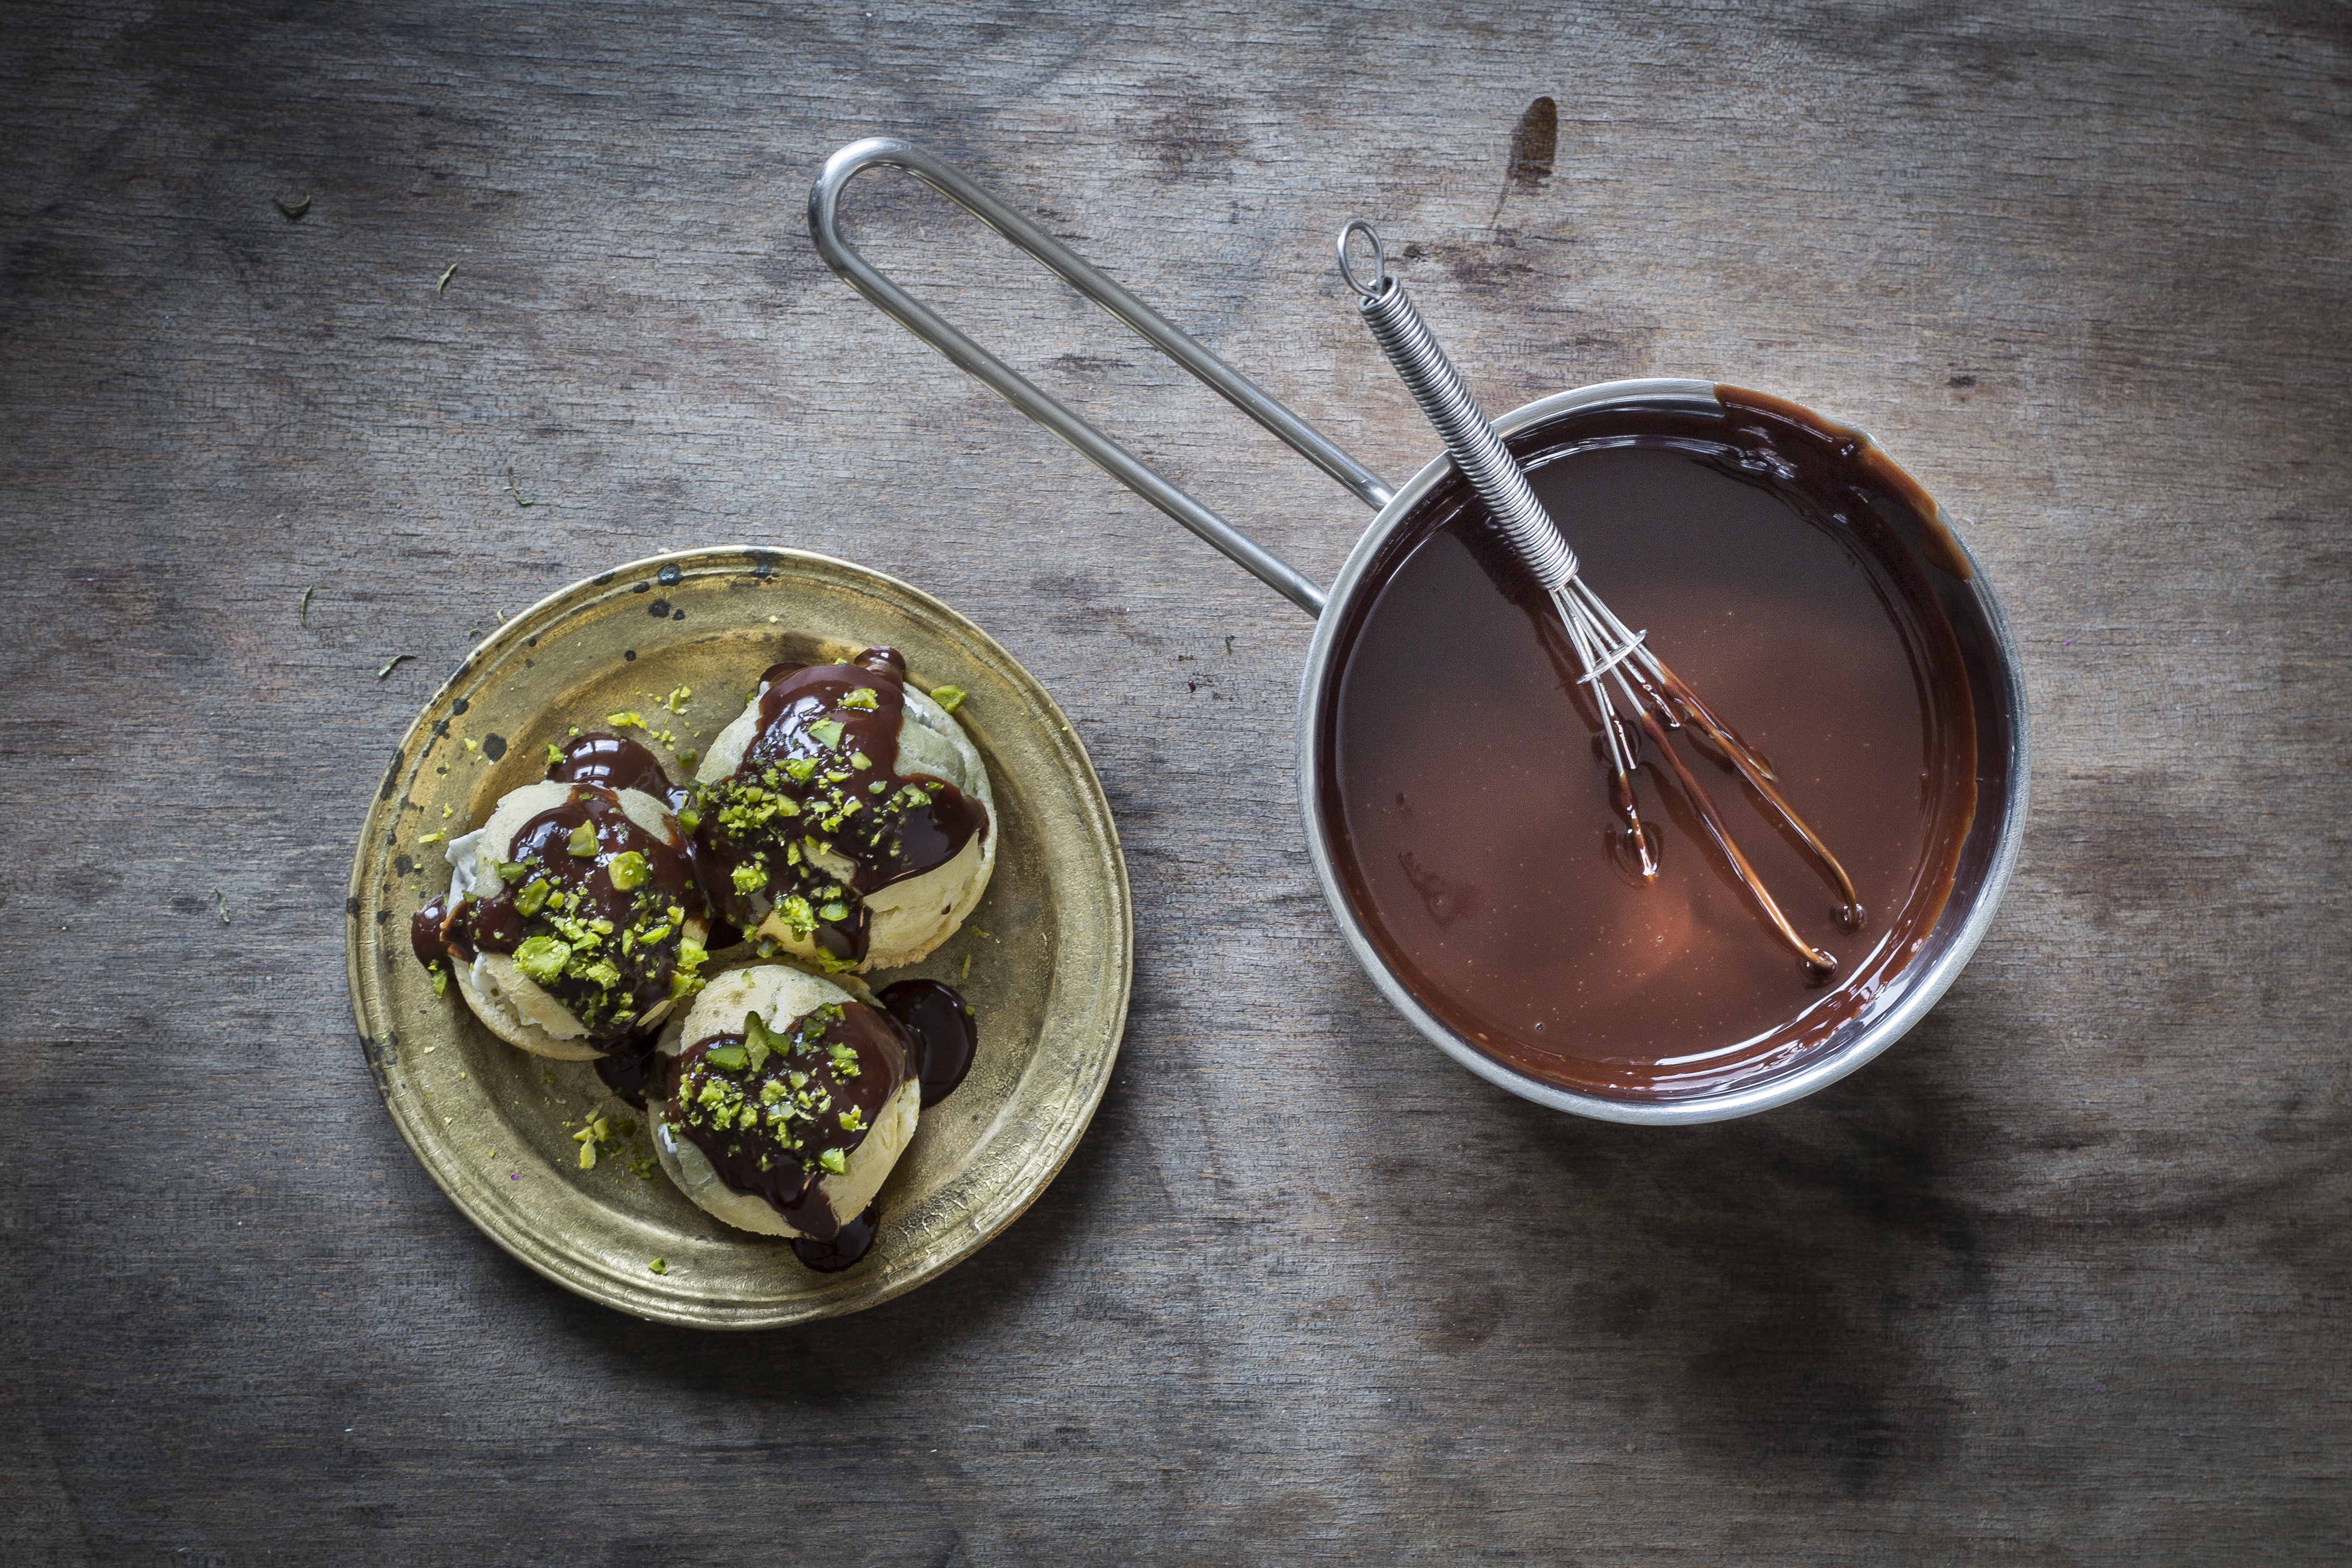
[2061, 1279]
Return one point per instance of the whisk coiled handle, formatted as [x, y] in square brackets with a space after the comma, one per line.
[1444, 397]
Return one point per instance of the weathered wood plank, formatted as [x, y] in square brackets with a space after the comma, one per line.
[2061, 1279]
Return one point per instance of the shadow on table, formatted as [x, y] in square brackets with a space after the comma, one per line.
[842, 1360]
[1790, 1286]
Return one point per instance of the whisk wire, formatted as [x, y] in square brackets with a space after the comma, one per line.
[1610, 653]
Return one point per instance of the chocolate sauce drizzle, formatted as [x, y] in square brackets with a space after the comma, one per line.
[942, 1033]
[850, 1057]
[608, 951]
[816, 817]
[768, 1118]
[773, 1147]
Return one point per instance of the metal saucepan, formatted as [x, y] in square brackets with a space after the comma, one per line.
[1989, 653]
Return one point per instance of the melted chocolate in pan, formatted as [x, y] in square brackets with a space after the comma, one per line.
[1778, 571]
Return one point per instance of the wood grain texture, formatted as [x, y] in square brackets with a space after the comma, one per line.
[2063, 1279]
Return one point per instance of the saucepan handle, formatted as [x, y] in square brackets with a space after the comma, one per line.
[824, 213]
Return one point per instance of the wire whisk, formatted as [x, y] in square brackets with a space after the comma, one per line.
[1628, 683]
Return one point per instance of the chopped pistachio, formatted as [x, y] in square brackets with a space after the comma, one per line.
[625, 719]
[555, 754]
[827, 733]
[541, 958]
[860, 761]
[731, 1057]
[629, 870]
[430, 837]
[799, 769]
[852, 1120]
[864, 697]
[676, 700]
[582, 842]
[659, 1265]
[834, 1160]
[949, 698]
[689, 820]
[472, 744]
[533, 897]
[512, 870]
[967, 968]
[686, 759]
[749, 877]
[835, 910]
[440, 982]
[587, 1156]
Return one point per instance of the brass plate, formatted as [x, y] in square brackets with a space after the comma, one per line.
[1048, 982]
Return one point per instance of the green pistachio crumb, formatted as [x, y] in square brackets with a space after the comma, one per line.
[587, 1156]
[834, 912]
[949, 697]
[689, 820]
[827, 733]
[659, 1265]
[533, 897]
[582, 842]
[555, 754]
[834, 1160]
[626, 719]
[430, 838]
[731, 1057]
[749, 877]
[473, 745]
[864, 697]
[860, 761]
[541, 958]
[629, 870]
[676, 700]
[440, 982]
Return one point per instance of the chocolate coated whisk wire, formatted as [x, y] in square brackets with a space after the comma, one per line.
[1617, 661]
